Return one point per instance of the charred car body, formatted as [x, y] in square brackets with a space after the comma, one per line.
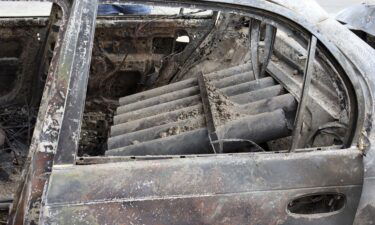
[360, 18]
[225, 112]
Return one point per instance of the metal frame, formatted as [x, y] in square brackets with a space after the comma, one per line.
[39, 164]
[259, 66]
[52, 109]
[67, 148]
[278, 15]
[213, 135]
[305, 94]
[54, 138]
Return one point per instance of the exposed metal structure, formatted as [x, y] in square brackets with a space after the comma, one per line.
[259, 67]
[203, 112]
[166, 181]
[305, 93]
[360, 18]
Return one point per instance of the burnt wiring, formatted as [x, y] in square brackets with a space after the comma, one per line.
[17, 124]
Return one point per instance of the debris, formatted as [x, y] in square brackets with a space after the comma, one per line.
[163, 134]
[94, 131]
[222, 108]
[188, 115]
[135, 142]
[17, 123]
[16, 128]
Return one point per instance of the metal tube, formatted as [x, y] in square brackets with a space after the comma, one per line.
[157, 109]
[168, 100]
[159, 99]
[248, 86]
[235, 87]
[232, 80]
[192, 142]
[286, 102]
[229, 72]
[259, 128]
[156, 120]
[258, 95]
[122, 139]
[182, 84]
[158, 91]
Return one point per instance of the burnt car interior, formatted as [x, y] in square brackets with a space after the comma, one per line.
[149, 93]
[186, 86]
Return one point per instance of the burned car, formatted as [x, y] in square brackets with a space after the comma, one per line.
[360, 19]
[197, 112]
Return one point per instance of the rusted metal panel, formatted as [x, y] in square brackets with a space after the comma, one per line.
[67, 148]
[366, 134]
[38, 164]
[346, 166]
[173, 189]
[359, 17]
[238, 208]
[204, 175]
[366, 209]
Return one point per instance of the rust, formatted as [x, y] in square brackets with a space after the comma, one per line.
[148, 162]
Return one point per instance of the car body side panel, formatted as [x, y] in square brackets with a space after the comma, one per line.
[356, 58]
[228, 189]
[259, 207]
[359, 17]
[356, 52]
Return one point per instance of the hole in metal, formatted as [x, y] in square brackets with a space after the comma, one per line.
[317, 203]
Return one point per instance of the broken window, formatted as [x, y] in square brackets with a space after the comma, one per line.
[180, 82]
